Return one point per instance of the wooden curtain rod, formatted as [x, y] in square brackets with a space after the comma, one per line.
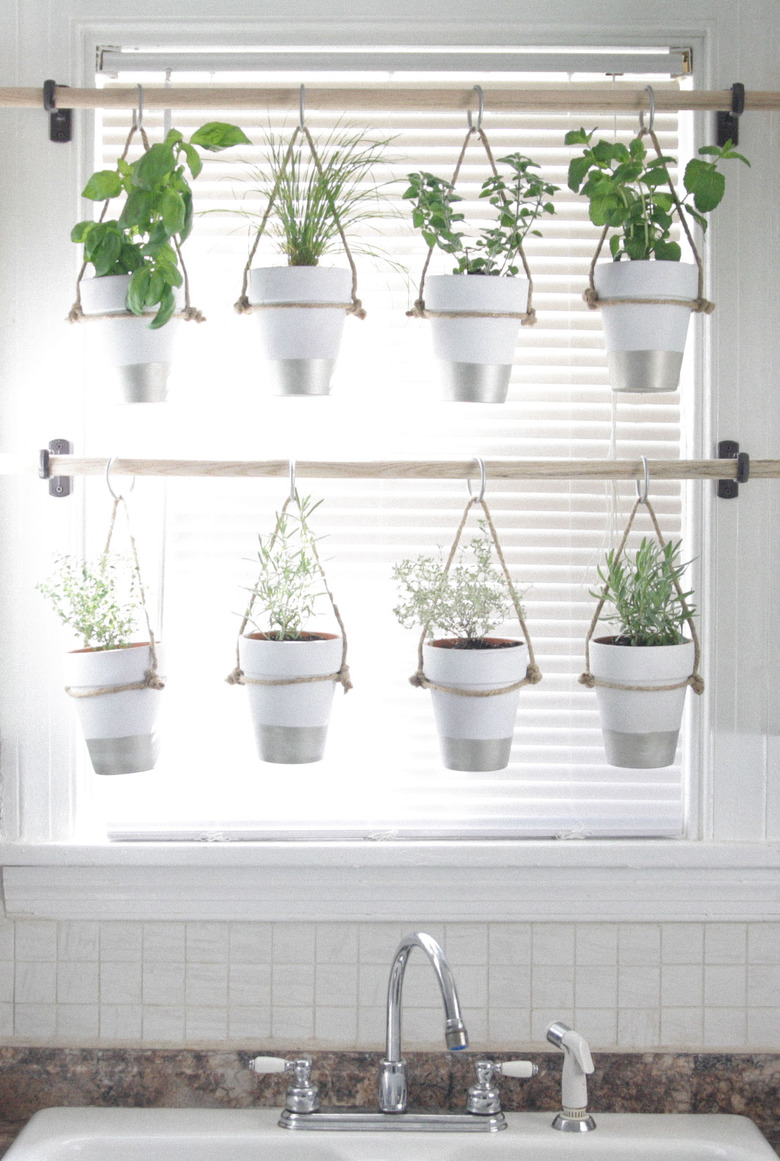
[69, 465]
[409, 97]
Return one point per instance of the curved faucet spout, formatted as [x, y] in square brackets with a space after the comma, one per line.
[392, 1081]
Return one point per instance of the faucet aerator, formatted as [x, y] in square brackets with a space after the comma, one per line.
[457, 1041]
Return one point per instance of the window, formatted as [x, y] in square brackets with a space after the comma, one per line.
[382, 776]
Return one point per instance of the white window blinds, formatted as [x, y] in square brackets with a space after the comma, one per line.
[382, 776]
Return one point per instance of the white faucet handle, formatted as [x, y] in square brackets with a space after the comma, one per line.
[267, 1064]
[521, 1069]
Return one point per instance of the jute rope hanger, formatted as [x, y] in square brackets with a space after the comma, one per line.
[151, 679]
[698, 305]
[420, 310]
[237, 675]
[354, 306]
[533, 674]
[188, 313]
[695, 680]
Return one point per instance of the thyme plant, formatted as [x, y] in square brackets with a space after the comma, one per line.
[97, 599]
[290, 582]
[629, 188]
[156, 217]
[648, 609]
[467, 603]
[518, 199]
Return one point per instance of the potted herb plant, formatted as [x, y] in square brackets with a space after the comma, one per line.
[465, 605]
[139, 279]
[630, 190]
[317, 195]
[290, 671]
[642, 671]
[114, 680]
[475, 350]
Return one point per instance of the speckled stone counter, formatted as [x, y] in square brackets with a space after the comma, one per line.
[36, 1078]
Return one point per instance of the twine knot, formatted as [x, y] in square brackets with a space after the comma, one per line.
[418, 680]
[242, 305]
[236, 677]
[696, 682]
[590, 298]
[75, 314]
[152, 680]
[192, 314]
[418, 310]
[533, 674]
[345, 678]
[703, 306]
[588, 680]
[356, 308]
[529, 320]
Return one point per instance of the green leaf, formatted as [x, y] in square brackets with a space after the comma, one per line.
[193, 158]
[167, 308]
[578, 168]
[172, 211]
[578, 137]
[217, 135]
[102, 185]
[80, 231]
[137, 209]
[138, 290]
[702, 179]
[105, 253]
[170, 273]
[154, 166]
[667, 251]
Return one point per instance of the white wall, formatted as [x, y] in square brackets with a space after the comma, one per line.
[722, 998]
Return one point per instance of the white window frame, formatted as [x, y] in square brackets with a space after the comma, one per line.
[728, 870]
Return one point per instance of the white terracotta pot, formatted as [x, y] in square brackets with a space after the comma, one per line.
[475, 733]
[645, 341]
[120, 728]
[302, 345]
[476, 354]
[640, 727]
[290, 721]
[141, 357]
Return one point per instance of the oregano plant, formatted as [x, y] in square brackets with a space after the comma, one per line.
[98, 599]
[156, 218]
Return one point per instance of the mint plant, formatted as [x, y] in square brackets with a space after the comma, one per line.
[647, 606]
[97, 599]
[468, 602]
[290, 581]
[630, 189]
[145, 239]
[519, 200]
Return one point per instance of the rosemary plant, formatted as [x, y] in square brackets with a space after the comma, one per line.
[290, 582]
[468, 602]
[97, 599]
[648, 609]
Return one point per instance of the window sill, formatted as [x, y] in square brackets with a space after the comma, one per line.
[499, 881]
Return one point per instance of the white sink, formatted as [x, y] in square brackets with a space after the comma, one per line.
[96, 1134]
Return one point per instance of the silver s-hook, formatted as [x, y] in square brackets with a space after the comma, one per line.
[482, 481]
[480, 111]
[108, 481]
[302, 107]
[651, 99]
[292, 480]
[138, 114]
[643, 485]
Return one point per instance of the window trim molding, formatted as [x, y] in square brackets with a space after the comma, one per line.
[570, 881]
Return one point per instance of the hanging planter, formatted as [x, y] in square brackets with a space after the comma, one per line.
[474, 677]
[115, 682]
[642, 672]
[476, 312]
[646, 293]
[290, 672]
[140, 290]
[312, 206]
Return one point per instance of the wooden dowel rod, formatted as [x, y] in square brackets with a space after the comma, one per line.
[398, 96]
[417, 469]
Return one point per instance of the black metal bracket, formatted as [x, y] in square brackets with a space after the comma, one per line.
[60, 120]
[728, 449]
[727, 122]
[59, 486]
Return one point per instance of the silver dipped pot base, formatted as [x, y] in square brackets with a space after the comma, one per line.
[129, 755]
[640, 751]
[143, 382]
[301, 376]
[291, 744]
[475, 382]
[635, 371]
[475, 753]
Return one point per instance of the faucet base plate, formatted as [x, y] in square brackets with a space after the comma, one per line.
[375, 1122]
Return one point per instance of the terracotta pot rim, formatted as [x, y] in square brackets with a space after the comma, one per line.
[304, 639]
[453, 643]
[615, 640]
[114, 648]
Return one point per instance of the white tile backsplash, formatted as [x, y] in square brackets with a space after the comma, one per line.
[635, 986]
